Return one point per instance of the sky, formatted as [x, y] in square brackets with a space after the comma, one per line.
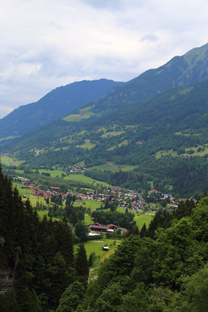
[49, 43]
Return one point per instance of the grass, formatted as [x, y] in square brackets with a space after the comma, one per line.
[159, 154]
[113, 133]
[87, 144]
[75, 177]
[96, 246]
[53, 173]
[143, 218]
[6, 160]
[10, 161]
[151, 183]
[204, 150]
[34, 199]
[22, 191]
[139, 217]
[82, 177]
[83, 113]
[113, 167]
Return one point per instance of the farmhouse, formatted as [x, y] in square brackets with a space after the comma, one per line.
[98, 228]
[112, 227]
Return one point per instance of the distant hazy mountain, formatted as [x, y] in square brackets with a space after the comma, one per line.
[55, 104]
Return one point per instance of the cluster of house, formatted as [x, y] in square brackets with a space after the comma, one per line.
[130, 199]
[76, 169]
[37, 191]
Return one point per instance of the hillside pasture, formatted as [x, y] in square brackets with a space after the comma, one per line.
[82, 177]
[140, 217]
[87, 144]
[6, 160]
[113, 133]
[112, 166]
[96, 246]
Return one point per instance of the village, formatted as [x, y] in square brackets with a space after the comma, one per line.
[125, 199]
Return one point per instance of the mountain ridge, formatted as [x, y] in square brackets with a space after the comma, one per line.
[55, 104]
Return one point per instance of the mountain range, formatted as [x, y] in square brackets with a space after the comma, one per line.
[155, 124]
[56, 104]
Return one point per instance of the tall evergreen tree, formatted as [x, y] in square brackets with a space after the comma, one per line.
[82, 268]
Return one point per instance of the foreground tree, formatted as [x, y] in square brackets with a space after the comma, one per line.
[71, 297]
[82, 267]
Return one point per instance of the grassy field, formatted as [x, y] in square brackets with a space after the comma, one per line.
[143, 218]
[34, 199]
[10, 161]
[83, 113]
[113, 167]
[159, 154]
[202, 152]
[22, 191]
[75, 177]
[53, 173]
[82, 177]
[87, 144]
[96, 246]
[113, 133]
[6, 160]
[140, 217]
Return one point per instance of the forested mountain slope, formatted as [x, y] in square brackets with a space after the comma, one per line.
[55, 104]
[171, 124]
[164, 136]
[166, 272]
[180, 71]
[37, 261]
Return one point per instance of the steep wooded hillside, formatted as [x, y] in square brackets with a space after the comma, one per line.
[165, 138]
[180, 71]
[55, 104]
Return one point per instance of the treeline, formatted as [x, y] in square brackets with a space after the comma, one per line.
[37, 256]
[131, 179]
[166, 270]
[124, 220]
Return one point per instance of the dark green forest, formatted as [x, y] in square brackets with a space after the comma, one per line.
[162, 268]
[37, 261]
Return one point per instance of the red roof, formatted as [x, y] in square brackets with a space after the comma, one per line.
[110, 226]
[98, 227]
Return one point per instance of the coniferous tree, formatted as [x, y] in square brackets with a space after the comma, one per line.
[82, 267]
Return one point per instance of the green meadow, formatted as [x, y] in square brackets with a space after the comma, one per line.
[140, 217]
[82, 177]
[114, 167]
[113, 133]
[10, 161]
[87, 144]
[96, 246]
[6, 160]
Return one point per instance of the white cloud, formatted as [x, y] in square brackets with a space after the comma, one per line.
[5, 110]
[45, 44]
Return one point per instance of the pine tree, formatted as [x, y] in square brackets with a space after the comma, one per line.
[82, 268]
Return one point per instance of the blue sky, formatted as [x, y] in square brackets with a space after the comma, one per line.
[46, 44]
